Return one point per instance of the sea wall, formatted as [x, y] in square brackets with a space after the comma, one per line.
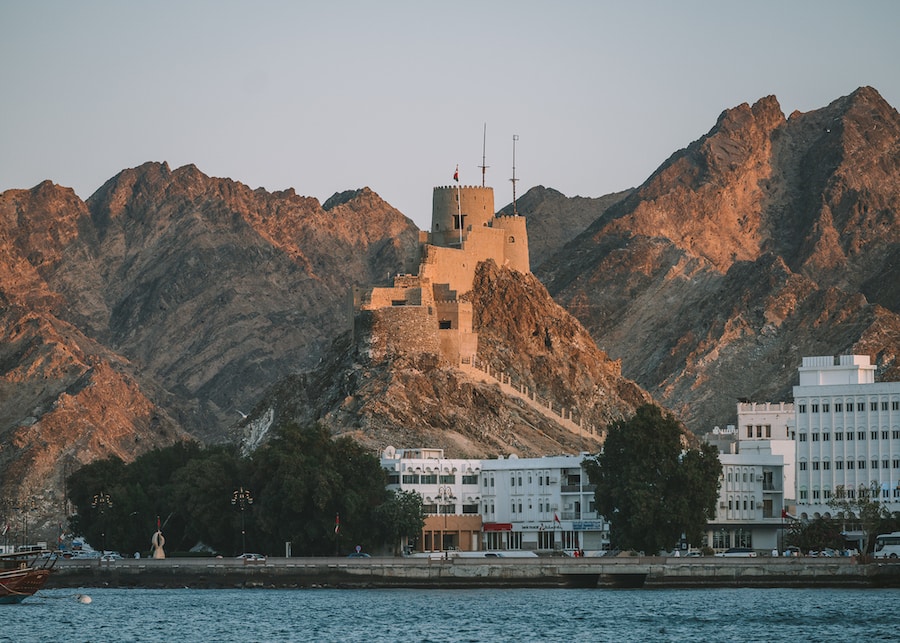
[474, 572]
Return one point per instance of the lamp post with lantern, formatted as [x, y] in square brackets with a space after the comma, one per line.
[102, 501]
[242, 498]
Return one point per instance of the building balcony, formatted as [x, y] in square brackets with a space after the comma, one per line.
[576, 488]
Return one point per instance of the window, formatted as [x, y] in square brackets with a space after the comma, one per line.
[768, 430]
[410, 478]
[470, 509]
[447, 479]
[860, 435]
[885, 464]
[825, 407]
[895, 463]
[884, 405]
[801, 408]
[815, 494]
[850, 464]
[838, 464]
[895, 405]
[444, 324]
[470, 479]
[874, 435]
[874, 464]
[826, 437]
[873, 406]
[749, 430]
[759, 430]
[803, 494]
[895, 435]
[838, 437]
[815, 408]
[803, 437]
[512, 481]
[815, 466]
[884, 435]
[815, 437]
[849, 435]
[430, 478]
[862, 464]
[860, 406]
[826, 466]
[802, 466]
[838, 407]
[826, 493]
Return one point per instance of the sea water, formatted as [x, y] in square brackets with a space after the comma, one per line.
[389, 615]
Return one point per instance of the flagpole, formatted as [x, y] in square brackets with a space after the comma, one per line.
[458, 206]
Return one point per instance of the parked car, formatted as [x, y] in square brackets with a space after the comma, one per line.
[358, 554]
[737, 552]
[252, 557]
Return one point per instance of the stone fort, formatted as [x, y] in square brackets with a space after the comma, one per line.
[423, 313]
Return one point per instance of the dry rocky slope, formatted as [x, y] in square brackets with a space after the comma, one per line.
[160, 307]
[767, 239]
[413, 399]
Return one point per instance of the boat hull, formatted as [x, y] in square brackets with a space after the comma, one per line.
[18, 584]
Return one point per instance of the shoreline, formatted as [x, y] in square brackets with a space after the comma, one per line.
[466, 573]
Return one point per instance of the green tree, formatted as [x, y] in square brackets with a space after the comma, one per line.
[649, 486]
[302, 479]
[401, 516]
[862, 506]
[815, 535]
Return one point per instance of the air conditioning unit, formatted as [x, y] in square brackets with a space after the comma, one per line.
[722, 505]
[759, 478]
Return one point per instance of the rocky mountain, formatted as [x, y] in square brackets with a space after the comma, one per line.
[553, 219]
[410, 399]
[163, 305]
[765, 240]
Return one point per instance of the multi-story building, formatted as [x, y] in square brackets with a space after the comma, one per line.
[847, 432]
[540, 504]
[751, 499]
[450, 492]
[771, 424]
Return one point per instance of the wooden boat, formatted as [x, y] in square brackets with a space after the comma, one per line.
[21, 575]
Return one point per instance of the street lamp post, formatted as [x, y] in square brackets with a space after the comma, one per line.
[241, 497]
[102, 501]
[445, 495]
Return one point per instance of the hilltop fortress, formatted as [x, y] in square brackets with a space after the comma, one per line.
[424, 312]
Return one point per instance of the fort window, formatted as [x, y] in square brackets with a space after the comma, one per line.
[512, 239]
[398, 302]
[445, 324]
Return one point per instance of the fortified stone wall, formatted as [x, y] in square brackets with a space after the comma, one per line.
[399, 330]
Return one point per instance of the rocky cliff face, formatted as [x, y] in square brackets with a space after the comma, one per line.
[409, 398]
[163, 305]
[767, 239]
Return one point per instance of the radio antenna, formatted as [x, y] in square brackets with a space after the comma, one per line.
[514, 179]
[483, 151]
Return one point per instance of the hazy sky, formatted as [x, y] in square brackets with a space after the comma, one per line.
[328, 96]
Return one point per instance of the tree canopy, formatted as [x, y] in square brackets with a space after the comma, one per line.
[299, 482]
[650, 488]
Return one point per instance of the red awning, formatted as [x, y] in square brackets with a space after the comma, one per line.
[497, 526]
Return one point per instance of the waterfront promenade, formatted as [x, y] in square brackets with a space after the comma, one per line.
[649, 572]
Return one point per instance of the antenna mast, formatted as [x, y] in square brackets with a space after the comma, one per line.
[514, 179]
[483, 150]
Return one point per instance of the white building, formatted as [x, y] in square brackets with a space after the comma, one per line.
[450, 493]
[773, 425]
[847, 432]
[540, 504]
[751, 499]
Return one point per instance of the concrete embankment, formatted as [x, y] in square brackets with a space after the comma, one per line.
[467, 573]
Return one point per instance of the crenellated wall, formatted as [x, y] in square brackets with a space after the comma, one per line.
[474, 202]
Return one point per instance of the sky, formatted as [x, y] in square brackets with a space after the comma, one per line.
[330, 96]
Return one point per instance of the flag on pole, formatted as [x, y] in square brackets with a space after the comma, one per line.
[556, 520]
[456, 174]
[337, 523]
